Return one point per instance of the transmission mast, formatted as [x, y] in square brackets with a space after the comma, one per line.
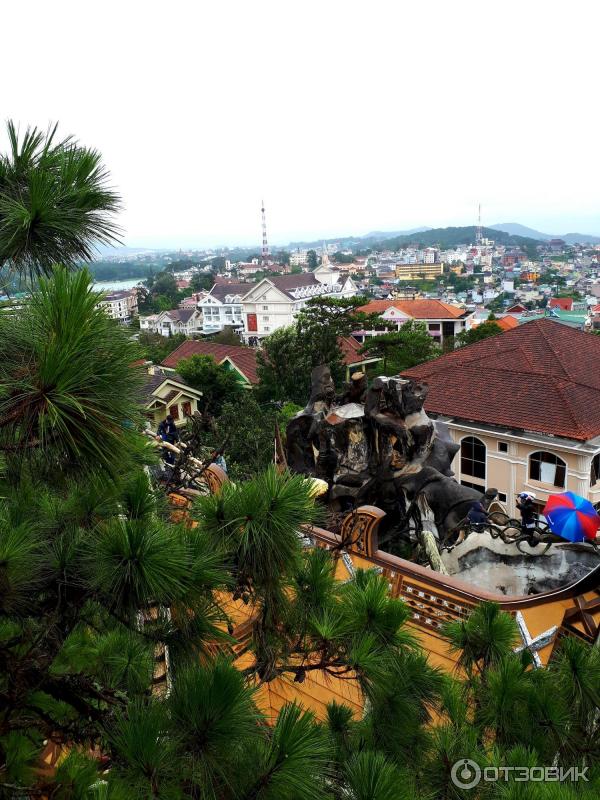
[478, 231]
[265, 246]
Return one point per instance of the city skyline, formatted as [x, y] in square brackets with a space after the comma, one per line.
[345, 119]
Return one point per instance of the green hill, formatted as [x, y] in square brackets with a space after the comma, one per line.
[430, 237]
[446, 238]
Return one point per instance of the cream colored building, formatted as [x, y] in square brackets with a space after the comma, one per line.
[169, 394]
[121, 305]
[513, 462]
[524, 406]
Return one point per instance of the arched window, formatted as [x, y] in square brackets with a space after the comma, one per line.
[472, 457]
[547, 468]
[595, 476]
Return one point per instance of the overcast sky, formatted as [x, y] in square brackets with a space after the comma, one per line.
[345, 116]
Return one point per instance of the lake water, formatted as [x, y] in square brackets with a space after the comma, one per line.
[115, 286]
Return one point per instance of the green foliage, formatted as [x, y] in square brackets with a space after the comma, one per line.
[55, 203]
[284, 367]
[75, 776]
[96, 580]
[292, 763]
[111, 271]
[402, 349]
[320, 324]
[203, 281]
[312, 260]
[164, 284]
[289, 355]
[484, 639]
[342, 258]
[248, 430]
[156, 348]
[163, 295]
[282, 257]
[287, 412]
[460, 283]
[227, 336]
[68, 393]
[371, 776]
[482, 331]
[217, 383]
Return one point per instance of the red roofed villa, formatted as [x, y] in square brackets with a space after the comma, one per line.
[443, 320]
[525, 409]
[243, 359]
[240, 359]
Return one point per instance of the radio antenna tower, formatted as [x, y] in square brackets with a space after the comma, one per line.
[478, 231]
[265, 246]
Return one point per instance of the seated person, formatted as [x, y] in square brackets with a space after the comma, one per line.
[525, 504]
[477, 515]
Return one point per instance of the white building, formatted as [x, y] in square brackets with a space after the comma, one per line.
[274, 302]
[223, 306]
[430, 255]
[179, 320]
[299, 258]
[122, 305]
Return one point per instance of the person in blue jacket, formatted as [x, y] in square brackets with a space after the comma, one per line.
[167, 430]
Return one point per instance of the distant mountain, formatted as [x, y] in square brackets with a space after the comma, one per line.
[521, 230]
[103, 250]
[391, 234]
[419, 237]
[360, 240]
[446, 238]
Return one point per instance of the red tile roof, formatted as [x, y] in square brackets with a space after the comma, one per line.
[243, 358]
[543, 377]
[417, 309]
[564, 303]
[506, 323]
[351, 351]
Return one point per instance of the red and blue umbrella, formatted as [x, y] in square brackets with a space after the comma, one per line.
[572, 517]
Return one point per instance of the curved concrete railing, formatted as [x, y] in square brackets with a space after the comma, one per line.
[446, 584]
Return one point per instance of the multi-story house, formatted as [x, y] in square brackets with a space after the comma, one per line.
[168, 323]
[222, 306]
[299, 258]
[443, 320]
[430, 255]
[274, 302]
[121, 305]
[419, 271]
[524, 408]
